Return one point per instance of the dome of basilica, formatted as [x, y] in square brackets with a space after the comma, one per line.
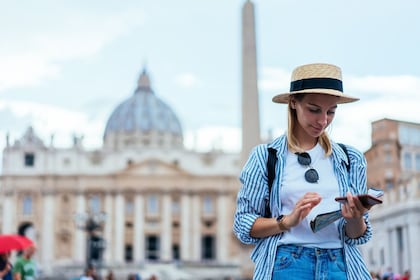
[143, 120]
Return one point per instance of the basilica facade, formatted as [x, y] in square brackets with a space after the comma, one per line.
[148, 197]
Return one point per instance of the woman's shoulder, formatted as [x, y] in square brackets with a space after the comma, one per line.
[351, 150]
[348, 152]
[279, 144]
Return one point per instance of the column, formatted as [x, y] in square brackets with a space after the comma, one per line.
[48, 229]
[185, 227]
[393, 245]
[166, 233]
[406, 247]
[413, 233]
[196, 228]
[80, 235]
[139, 238]
[119, 229]
[9, 216]
[222, 228]
[109, 224]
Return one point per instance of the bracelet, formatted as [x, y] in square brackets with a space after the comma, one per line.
[280, 224]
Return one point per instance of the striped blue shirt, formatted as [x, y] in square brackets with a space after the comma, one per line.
[253, 195]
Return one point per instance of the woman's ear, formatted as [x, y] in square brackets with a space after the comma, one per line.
[293, 104]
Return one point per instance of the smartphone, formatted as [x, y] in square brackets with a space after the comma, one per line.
[367, 200]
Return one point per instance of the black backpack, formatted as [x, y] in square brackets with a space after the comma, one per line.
[271, 172]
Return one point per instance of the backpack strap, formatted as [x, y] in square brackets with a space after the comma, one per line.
[271, 174]
[347, 154]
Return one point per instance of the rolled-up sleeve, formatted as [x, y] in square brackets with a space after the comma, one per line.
[252, 196]
[358, 180]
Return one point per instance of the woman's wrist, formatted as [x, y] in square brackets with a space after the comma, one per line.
[356, 227]
[281, 223]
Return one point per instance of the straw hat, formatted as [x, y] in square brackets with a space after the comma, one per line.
[316, 78]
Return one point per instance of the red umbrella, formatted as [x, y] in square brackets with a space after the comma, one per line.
[10, 242]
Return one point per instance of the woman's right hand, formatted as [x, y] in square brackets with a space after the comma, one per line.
[264, 227]
[302, 208]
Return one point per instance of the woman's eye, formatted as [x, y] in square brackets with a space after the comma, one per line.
[314, 110]
[331, 112]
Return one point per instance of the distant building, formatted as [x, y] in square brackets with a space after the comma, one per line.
[394, 156]
[394, 165]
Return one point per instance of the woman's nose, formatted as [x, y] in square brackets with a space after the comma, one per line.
[323, 119]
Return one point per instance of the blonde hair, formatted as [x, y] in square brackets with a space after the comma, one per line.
[292, 141]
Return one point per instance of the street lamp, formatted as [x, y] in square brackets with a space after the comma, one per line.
[92, 224]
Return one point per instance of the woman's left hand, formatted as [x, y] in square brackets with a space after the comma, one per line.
[353, 212]
[353, 208]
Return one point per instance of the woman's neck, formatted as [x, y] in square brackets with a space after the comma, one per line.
[306, 143]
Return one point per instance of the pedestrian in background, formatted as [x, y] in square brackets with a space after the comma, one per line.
[6, 268]
[25, 267]
[110, 275]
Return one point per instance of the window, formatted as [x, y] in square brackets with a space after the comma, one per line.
[128, 253]
[409, 135]
[208, 245]
[29, 159]
[152, 247]
[95, 204]
[66, 161]
[389, 174]
[152, 205]
[176, 252]
[389, 185]
[27, 205]
[176, 208]
[388, 156]
[208, 207]
[417, 162]
[129, 207]
[407, 161]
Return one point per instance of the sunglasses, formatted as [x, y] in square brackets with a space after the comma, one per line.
[311, 175]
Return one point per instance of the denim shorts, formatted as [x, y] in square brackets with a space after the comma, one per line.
[307, 263]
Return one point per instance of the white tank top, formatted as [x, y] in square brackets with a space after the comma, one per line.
[294, 186]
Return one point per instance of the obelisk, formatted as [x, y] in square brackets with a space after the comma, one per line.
[250, 109]
[250, 104]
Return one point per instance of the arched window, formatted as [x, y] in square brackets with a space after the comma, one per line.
[152, 205]
[208, 205]
[95, 204]
[27, 205]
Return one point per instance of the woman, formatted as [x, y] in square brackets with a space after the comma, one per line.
[6, 269]
[310, 173]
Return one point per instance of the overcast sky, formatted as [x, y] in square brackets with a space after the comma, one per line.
[65, 65]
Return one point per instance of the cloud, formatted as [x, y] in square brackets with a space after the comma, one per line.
[22, 70]
[274, 79]
[187, 80]
[391, 86]
[35, 56]
[209, 138]
[47, 120]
